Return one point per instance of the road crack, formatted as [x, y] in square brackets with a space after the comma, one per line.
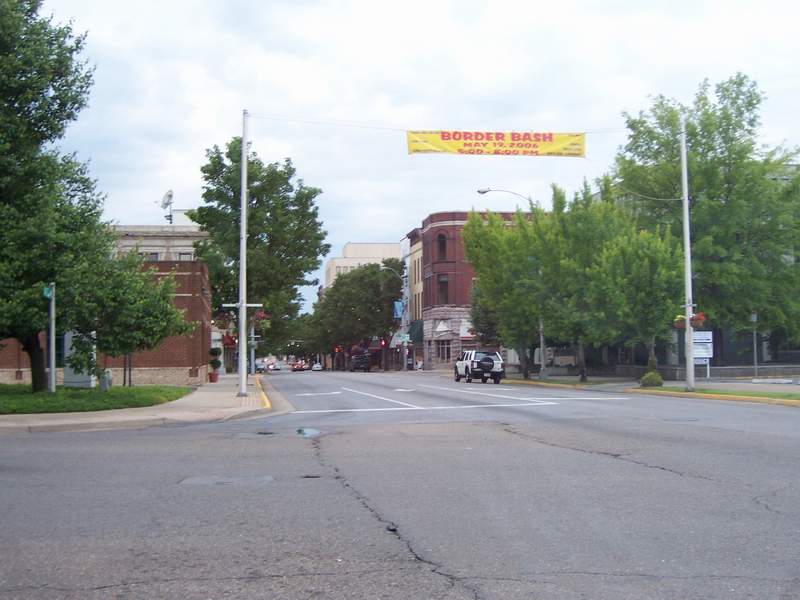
[621, 456]
[390, 526]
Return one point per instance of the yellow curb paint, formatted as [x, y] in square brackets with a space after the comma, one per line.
[265, 403]
[758, 399]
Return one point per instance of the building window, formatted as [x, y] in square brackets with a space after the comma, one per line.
[441, 245]
[150, 256]
[185, 256]
[442, 296]
[443, 350]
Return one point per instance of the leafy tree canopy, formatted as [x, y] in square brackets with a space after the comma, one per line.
[745, 200]
[358, 306]
[51, 212]
[285, 237]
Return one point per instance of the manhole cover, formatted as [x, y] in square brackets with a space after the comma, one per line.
[230, 480]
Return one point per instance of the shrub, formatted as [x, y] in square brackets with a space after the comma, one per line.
[216, 351]
[215, 363]
[652, 379]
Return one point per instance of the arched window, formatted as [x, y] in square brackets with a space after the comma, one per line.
[441, 244]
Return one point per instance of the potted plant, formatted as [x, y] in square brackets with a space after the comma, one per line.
[215, 363]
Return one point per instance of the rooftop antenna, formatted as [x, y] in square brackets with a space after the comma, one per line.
[166, 202]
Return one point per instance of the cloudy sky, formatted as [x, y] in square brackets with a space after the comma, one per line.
[333, 85]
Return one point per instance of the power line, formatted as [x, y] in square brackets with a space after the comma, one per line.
[360, 125]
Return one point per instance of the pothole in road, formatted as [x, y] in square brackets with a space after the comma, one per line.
[308, 432]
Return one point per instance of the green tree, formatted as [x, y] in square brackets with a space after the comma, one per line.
[134, 313]
[507, 263]
[484, 317]
[360, 305]
[285, 237]
[745, 201]
[50, 210]
[638, 279]
[44, 86]
[572, 242]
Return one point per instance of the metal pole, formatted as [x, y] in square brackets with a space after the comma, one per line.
[243, 266]
[252, 348]
[51, 386]
[542, 351]
[755, 351]
[687, 262]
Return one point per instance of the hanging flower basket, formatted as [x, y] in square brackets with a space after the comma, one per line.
[698, 320]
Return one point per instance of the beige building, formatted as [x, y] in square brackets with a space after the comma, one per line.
[355, 255]
[160, 242]
[415, 279]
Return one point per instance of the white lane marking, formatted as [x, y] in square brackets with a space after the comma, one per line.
[319, 394]
[344, 410]
[380, 398]
[490, 395]
[463, 391]
[403, 390]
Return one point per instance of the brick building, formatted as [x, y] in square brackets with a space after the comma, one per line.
[446, 287]
[179, 360]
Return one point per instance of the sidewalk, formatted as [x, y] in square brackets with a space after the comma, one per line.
[209, 403]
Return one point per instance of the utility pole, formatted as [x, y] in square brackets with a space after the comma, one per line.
[243, 266]
[687, 264]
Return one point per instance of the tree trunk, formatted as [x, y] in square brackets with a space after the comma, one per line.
[582, 363]
[652, 361]
[523, 362]
[33, 347]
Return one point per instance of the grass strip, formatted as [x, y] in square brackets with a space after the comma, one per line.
[18, 399]
[753, 394]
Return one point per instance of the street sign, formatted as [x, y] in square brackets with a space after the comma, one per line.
[403, 338]
[47, 292]
[703, 344]
[701, 361]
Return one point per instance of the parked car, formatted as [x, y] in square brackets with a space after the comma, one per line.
[360, 362]
[316, 367]
[277, 366]
[260, 368]
[297, 367]
[479, 364]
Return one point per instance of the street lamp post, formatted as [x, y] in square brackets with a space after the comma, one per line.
[487, 190]
[687, 264]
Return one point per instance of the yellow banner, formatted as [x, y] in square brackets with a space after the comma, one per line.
[498, 143]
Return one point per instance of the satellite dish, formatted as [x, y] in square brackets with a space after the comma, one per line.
[167, 199]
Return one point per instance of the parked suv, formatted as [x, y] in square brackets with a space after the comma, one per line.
[479, 364]
[360, 362]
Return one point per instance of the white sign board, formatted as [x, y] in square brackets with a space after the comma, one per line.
[701, 361]
[703, 344]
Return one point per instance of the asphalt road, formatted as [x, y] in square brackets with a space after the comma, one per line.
[414, 486]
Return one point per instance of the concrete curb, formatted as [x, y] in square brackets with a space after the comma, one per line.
[280, 405]
[730, 397]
